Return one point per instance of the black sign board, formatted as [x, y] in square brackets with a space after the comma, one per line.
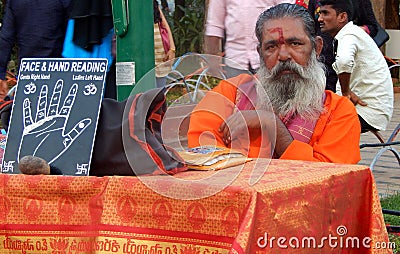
[55, 112]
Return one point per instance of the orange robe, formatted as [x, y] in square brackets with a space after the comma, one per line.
[336, 136]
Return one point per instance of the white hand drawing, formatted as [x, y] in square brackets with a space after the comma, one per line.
[49, 125]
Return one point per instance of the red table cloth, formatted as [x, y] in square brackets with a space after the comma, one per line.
[295, 207]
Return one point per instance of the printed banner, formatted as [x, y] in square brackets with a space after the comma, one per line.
[55, 113]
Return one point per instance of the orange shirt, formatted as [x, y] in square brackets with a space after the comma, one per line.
[336, 135]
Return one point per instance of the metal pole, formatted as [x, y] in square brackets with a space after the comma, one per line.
[133, 24]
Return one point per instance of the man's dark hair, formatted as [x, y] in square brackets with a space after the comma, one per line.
[286, 10]
[340, 6]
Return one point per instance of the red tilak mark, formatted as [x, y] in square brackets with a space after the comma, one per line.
[278, 30]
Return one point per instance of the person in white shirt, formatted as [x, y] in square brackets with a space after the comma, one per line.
[234, 21]
[364, 76]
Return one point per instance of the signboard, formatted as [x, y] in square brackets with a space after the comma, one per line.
[55, 112]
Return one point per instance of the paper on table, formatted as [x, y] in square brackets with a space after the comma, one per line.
[212, 157]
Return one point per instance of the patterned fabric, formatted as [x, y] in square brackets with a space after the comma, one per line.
[299, 128]
[317, 9]
[303, 3]
[161, 69]
[292, 199]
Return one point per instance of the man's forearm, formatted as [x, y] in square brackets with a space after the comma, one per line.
[212, 45]
[344, 79]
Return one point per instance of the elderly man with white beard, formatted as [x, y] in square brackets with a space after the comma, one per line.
[286, 113]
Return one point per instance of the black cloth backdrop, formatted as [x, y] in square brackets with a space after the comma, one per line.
[93, 20]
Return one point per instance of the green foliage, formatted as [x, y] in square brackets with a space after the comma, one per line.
[178, 94]
[188, 30]
[392, 203]
[394, 238]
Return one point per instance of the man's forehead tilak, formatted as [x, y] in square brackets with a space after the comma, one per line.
[278, 30]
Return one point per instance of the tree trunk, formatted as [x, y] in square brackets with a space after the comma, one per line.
[392, 14]
[387, 13]
[379, 7]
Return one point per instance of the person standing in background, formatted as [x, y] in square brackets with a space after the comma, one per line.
[233, 21]
[363, 16]
[90, 34]
[36, 27]
[165, 7]
[364, 77]
[160, 54]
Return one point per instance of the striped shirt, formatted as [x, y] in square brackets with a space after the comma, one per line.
[161, 69]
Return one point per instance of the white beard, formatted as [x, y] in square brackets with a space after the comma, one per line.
[300, 93]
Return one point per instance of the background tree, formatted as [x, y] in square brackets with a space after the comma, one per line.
[179, 11]
[188, 25]
[392, 14]
[387, 13]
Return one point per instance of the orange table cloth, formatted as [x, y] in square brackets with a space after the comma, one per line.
[295, 207]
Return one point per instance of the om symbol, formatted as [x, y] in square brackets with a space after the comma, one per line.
[30, 88]
[90, 89]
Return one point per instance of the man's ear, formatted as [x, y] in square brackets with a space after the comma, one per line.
[343, 18]
[319, 43]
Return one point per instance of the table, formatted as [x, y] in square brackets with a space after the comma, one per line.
[293, 203]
